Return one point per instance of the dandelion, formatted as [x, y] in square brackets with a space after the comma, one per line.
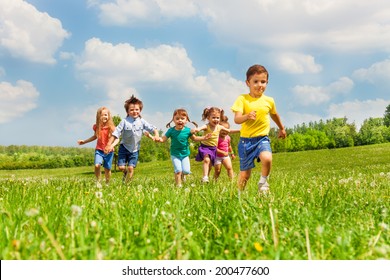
[168, 203]
[320, 230]
[98, 194]
[32, 212]
[112, 241]
[258, 247]
[147, 241]
[93, 224]
[136, 233]
[76, 210]
[139, 201]
[155, 190]
[187, 190]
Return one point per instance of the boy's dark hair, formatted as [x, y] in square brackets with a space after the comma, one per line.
[133, 100]
[256, 69]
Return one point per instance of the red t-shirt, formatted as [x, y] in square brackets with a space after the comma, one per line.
[103, 137]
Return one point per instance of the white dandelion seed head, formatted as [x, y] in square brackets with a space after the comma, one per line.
[32, 212]
[98, 194]
[76, 210]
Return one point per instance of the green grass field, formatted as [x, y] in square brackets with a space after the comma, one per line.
[326, 204]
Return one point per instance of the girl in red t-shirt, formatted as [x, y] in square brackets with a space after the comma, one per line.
[103, 129]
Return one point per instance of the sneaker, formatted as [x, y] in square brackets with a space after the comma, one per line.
[124, 176]
[205, 179]
[263, 187]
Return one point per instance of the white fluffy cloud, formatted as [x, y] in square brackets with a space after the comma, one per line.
[27, 33]
[135, 12]
[308, 95]
[331, 24]
[377, 73]
[297, 63]
[16, 100]
[120, 70]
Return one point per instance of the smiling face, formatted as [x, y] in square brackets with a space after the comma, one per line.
[180, 121]
[257, 84]
[214, 118]
[134, 110]
[104, 115]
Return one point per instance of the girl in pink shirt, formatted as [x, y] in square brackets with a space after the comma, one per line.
[224, 149]
[103, 129]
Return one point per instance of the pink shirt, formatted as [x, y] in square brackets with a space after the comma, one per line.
[223, 144]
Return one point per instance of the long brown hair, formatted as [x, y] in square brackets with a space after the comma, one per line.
[183, 113]
[99, 123]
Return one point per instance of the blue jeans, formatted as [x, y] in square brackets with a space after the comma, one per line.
[126, 157]
[104, 159]
[249, 149]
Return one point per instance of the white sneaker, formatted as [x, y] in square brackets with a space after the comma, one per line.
[263, 187]
[205, 179]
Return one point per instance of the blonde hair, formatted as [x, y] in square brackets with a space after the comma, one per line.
[183, 113]
[99, 123]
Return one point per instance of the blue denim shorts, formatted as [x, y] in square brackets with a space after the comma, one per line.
[249, 149]
[126, 157]
[104, 159]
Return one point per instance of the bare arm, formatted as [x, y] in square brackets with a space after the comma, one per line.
[90, 139]
[240, 118]
[201, 138]
[112, 142]
[277, 120]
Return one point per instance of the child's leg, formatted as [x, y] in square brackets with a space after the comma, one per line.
[97, 172]
[178, 169]
[228, 165]
[206, 168]
[217, 170]
[130, 173]
[266, 163]
[178, 177]
[186, 167]
[107, 173]
[107, 164]
[243, 179]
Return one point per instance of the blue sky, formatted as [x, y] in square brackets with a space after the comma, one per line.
[61, 60]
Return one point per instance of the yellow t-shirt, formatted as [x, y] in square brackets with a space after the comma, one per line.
[263, 106]
[213, 141]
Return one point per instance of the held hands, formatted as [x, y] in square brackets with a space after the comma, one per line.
[108, 149]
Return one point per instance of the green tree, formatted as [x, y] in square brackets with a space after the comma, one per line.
[373, 131]
[386, 117]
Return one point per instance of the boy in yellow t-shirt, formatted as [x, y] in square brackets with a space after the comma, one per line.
[253, 112]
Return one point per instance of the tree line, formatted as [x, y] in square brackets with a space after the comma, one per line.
[328, 134]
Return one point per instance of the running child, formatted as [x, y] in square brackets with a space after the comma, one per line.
[253, 111]
[103, 129]
[224, 151]
[131, 130]
[180, 147]
[207, 151]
